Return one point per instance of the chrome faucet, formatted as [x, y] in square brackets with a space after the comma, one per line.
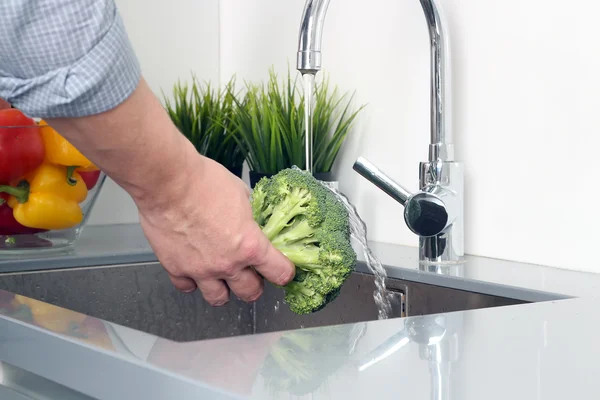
[435, 212]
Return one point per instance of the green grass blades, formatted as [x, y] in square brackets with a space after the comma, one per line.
[332, 121]
[257, 131]
[203, 115]
[269, 124]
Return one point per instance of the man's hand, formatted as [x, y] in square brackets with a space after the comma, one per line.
[194, 212]
[206, 237]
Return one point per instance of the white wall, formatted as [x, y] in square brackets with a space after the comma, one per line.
[172, 40]
[524, 81]
[524, 90]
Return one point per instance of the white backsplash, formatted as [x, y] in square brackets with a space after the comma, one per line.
[524, 91]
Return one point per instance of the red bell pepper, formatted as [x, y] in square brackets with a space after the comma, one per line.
[21, 145]
[89, 177]
[8, 224]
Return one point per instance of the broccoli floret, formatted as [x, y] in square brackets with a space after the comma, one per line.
[309, 224]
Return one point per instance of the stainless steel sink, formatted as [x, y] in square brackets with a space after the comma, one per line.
[140, 296]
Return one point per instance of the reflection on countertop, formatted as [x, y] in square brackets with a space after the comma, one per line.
[519, 352]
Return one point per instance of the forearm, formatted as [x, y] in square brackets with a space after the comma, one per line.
[136, 144]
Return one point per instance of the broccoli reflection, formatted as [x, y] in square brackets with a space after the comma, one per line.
[296, 363]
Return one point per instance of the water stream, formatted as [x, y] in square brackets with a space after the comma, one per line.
[358, 229]
[309, 84]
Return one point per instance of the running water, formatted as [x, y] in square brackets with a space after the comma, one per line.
[358, 229]
[309, 83]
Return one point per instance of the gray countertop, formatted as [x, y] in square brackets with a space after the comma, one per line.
[544, 350]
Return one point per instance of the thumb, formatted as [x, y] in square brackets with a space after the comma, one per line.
[270, 262]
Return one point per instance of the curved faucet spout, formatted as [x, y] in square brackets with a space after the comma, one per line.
[311, 33]
[435, 214]
[309, 62]
[441, 135]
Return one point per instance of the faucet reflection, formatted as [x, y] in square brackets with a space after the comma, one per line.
[435, 212]
[438, 339]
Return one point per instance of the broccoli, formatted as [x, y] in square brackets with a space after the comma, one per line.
[309, 224]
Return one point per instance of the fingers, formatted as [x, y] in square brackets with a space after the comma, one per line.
[215, 291]
[186, 285]
[246, 285]
[270, 262]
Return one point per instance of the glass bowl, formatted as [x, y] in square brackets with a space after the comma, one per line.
[44, 202]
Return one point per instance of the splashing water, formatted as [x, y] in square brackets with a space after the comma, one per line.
[358, 229]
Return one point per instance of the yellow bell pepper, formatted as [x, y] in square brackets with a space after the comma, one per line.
[50, 317]
[44, 199]
[59, 151]
[93, 331]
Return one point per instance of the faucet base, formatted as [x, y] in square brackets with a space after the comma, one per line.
[447, 268]
[445, 179]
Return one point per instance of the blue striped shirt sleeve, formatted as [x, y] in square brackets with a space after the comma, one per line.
[65, 58]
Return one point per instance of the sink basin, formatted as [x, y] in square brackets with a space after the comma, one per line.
[141, 297]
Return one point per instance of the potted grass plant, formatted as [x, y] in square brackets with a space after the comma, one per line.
[332, 121]
[269, 126]
[203, 115]
[264, 121]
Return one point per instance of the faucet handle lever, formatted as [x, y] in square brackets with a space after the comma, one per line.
[371, 173]
[425, 213]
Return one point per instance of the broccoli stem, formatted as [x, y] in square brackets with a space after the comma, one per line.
[299, 230]
[284, 212]
[298, 289]
[304, 257]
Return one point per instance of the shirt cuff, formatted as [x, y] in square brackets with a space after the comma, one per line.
[97, 82]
